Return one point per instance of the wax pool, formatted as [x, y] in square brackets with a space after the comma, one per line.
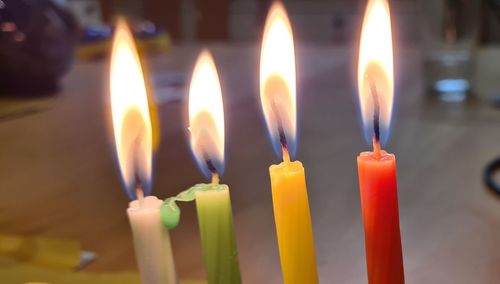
[151, 242]
[293, 223]
[379, 203]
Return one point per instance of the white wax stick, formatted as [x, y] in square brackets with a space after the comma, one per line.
[152, 242]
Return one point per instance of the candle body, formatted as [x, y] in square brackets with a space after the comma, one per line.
[293, 223]
[215, 218]
[379, 203]
[151, 242]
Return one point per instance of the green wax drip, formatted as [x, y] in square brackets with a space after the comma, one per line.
[170, 212]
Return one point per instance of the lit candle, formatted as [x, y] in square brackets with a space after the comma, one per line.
[377, 169]
[289, 192]
[133, 137]
[213, 204]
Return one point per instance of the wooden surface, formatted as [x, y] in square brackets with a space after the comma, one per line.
[58, 177]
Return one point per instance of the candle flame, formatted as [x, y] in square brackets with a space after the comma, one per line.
[130, 113]
[375, 71]
[277, 80]
[206, 116]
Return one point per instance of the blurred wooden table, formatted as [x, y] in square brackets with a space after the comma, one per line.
[58, 179]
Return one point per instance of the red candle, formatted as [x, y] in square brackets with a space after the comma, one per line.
[377, 169]
[379, 203]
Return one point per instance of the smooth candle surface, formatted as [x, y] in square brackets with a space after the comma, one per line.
[379, 203]
[293, 223]
[151, 242]
[218, 241]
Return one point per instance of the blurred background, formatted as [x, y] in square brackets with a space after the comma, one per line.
[63, 208]
[455, 36]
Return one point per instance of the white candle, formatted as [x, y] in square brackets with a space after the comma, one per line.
[133, 135]
[151, 241]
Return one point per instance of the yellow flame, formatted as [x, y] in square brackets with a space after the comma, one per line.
[277, 74]
[129, 108]
[206, 113]
[375, 63]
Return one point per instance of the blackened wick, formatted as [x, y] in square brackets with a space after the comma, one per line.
[376, 111]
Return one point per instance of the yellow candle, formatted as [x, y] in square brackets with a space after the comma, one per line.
[278, 100]
[293, 223]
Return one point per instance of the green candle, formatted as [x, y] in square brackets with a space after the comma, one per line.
[213, 204]
[215, 220]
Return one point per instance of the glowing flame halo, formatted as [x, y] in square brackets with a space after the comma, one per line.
[375, 69]
[130, 112]
[206, 116]
[277, 80]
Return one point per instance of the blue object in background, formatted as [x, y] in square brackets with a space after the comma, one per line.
[91, 34]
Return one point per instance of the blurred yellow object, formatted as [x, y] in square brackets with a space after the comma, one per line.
[154, 45]
[43, 252]
[40, 260]
[153, 112]
[31, 274]
[155, 126]
[36, 275]
[91, 51]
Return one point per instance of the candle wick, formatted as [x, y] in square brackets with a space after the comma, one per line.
[376, 119]
[213, 170]
[376, 148]
[215, 178]
[210, 166]
[279, 123]
[376, 111]
[286, 155]
[282, 136]
[140, 195]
